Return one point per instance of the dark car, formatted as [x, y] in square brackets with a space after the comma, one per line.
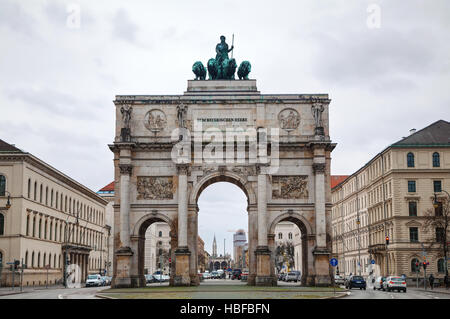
[356, 282]
[236, 274]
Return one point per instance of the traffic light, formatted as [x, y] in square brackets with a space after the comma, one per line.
[387, 240]
[424, 265]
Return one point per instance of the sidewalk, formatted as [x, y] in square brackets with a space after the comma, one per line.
[5, 291]
[435, 290]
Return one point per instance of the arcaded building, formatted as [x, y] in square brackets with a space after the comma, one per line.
[50, 216]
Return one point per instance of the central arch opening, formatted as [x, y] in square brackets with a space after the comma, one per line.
[223, 232]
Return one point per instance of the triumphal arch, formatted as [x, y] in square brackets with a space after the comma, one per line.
[169, 148]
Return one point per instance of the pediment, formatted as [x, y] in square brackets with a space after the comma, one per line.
[413, 223]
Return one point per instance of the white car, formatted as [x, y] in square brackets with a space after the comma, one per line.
[378, 283]
[206, 275]
[94, 281]
[339, 280]
[394, 283]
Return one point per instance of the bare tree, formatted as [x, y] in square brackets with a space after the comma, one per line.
[284, 254]
[437, 219]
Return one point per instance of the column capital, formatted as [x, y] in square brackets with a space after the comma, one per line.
[183, 169]
[319, 168]
[125, 169]
[261, 168]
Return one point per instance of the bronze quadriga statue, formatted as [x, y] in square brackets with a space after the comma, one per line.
[222, 67]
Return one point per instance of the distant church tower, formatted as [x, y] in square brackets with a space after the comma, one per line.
[214, 252]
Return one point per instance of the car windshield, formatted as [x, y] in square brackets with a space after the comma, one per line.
[92, 277]
[397, 279]
[358, 278]
[292, 274]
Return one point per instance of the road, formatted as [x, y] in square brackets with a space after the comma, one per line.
[411, 293]
[58, 293]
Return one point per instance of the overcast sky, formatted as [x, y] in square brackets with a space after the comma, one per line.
[58, 80]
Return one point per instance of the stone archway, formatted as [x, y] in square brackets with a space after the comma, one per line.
[241, 182]
[307, 237]
[292, 174]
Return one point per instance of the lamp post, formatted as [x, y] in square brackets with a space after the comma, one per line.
[436, 205]
[67, 235]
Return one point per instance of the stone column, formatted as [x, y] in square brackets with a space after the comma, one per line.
[262, 210]
[125, 173]
[124, 253]
[321, 252]
[319, 203]
[193, 244]
[263, 277]
[182, 253]
[252, 243]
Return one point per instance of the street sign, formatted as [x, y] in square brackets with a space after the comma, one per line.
[372, 261]
[333, 262]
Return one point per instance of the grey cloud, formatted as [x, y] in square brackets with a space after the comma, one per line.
[123, 27]
[52, 101]
[13, 16]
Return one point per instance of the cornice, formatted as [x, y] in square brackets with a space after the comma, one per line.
[32, 160]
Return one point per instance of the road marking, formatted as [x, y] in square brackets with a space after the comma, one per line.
[392, 296]
[60, 297]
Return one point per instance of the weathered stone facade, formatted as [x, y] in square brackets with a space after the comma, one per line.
[292, 185]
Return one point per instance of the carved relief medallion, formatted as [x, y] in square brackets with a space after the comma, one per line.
[155, 187]
[289, 187]
[155, 120]
[289, 119]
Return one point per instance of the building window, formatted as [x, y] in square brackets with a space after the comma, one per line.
[411, 186]
[160, 234]
[441, 265]
[413, 234]
[2, 185]
[415, 265]
[440, 235]
[437, 186]
[40, 194]
[2, 224]
[412, 208]
[280, 236]
[290, 235]
[410, 159]
[29, 188]
[35, 191]
[436, 160]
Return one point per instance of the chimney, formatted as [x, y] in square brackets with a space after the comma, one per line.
[412, 131]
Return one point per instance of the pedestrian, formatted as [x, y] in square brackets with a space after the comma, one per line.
[446, 281]
[431, 279]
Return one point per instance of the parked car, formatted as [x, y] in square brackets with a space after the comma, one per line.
[94, 281]
[150, 279]
[356, 282]
[106, 281]
[339, 280]
[215, 275]
[236, 274]
[206, 275]
[394, 283]
[282, 276]
[244, 276]
[378, 284]
[293, 276]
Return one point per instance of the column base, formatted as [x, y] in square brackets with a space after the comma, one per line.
[322, 277]
[182, 277]
[263, 273]
[123, 278]
[251, 280]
